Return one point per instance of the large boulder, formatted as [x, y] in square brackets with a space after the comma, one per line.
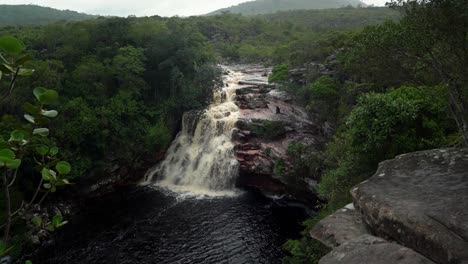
[368, 249]
[420, 200]
[343, 226]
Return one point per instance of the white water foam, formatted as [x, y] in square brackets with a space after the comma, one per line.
[201, 161]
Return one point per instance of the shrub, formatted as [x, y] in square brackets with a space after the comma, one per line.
[280, 73]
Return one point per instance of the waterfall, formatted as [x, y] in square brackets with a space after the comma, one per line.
[201, 159]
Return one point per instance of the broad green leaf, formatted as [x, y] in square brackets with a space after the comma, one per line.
[37, 221]
[25, 72]
[6, 155]
[11, 46]
[47, 185]
[30, 108]
[53, 189]
[63, 167]
[3, 144]
[57, 220]
[13, 164]
[49, 97]
[46, 175]
[28, 262]
[30, 119]
[50, 114]
[42, 150]
[6, 68]
[61, 182]
[38, 92]
[3, 60]
[23, 59]
[45, 96]
[53, 151]
[43, 132]
[17, 135]
[53, 175]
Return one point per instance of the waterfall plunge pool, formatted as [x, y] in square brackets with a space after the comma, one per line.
[147, 225]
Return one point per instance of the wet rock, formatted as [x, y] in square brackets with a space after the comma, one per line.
[253, 82]
[370, 249]
[269, 122]
[420, 200]
[339, 228]
[6, 260]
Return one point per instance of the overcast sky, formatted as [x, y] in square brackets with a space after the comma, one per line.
[142, 7]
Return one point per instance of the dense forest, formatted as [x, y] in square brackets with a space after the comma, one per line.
[121, 85]
[273, 6]
[34, 15]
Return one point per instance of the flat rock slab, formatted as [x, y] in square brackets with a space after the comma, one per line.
[368, 249]
[339, 228]
[420, 200]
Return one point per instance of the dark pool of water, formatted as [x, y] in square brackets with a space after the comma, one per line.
[143, 225]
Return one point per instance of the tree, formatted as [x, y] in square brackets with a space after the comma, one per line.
[437, 34]
[30, 140]
[429, 45]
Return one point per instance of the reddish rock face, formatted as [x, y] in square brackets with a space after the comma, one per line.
[269, 122]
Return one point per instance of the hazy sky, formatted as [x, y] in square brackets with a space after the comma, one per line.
[142, 7]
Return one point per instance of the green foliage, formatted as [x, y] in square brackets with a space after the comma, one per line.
[324, 98]
[128, 82]
[381, 127]
[292, 37]
[11, 46]
[280, 73]
[304, 251]
[265, 129]
[26, 141]
[427, 46]
[279, 168]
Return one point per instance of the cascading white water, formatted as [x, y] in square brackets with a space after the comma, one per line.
[201, 159]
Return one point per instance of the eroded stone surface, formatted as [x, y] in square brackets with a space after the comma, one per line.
[261, 108]
[339, 228]
[420, 200]
[368, 249]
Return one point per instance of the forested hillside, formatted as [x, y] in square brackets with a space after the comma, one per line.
[272, 6]
[17, 15]
[296, 36]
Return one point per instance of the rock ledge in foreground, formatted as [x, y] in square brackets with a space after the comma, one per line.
[420, 200]
[339, 228]
[370, 249]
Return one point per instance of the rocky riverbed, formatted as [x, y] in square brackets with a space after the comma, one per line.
[269, 122]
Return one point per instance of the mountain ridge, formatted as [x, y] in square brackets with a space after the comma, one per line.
[258, 7]
[27, 15]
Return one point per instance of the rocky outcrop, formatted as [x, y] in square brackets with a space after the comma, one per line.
[370, 249]
[416, 203]
[420, 200]
[269, 122]
[339, 228]
[311, 71]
